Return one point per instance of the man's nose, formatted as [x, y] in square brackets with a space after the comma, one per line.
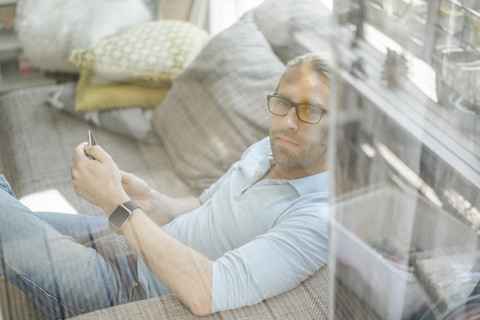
[290, 120]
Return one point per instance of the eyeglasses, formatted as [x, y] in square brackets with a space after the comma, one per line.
[307, 113]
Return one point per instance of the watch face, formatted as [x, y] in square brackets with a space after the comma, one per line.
[119, 216]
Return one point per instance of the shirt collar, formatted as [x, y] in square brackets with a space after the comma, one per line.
[311, 184]
[304, 186]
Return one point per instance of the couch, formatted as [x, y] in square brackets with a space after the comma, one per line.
[214, 109]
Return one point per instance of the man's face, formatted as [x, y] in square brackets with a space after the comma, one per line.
[296, 145]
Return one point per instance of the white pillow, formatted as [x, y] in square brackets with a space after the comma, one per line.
[49, 30]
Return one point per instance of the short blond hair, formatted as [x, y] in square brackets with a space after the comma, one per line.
[313, 61]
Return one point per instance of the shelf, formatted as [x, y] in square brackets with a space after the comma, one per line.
[427, 28]
[394, 25]
[24, 82]
[12, 79]
[413, 110]
[9, 46]
[400, 133]
[9, 42]
[7, 2]
[10, 51]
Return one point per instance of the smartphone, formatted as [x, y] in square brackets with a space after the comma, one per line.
[91, 141]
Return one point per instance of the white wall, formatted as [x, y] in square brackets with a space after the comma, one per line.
[224, 13]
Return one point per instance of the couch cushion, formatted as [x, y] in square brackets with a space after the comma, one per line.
[217, 107]
[293, 32]
[37, 143]
[151, 52]
[93, 95]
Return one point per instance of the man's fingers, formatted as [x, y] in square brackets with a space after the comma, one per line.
[127, 177]
[80, 149]
[98, 153]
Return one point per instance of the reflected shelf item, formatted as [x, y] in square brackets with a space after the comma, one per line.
[406, 157]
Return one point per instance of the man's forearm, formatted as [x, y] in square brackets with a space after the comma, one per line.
[165, 208]
[159, 207]
[185, 271]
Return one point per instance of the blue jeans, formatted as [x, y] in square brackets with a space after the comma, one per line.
[67, 264]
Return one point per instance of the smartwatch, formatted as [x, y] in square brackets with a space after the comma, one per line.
[121, 215]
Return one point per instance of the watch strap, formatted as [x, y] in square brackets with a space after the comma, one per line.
[130, 205]
[121, 215]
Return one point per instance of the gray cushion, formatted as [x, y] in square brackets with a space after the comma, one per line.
[294, 32]
[216, 107]
[130, 122]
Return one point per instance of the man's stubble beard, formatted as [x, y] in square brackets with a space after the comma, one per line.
[311, 153]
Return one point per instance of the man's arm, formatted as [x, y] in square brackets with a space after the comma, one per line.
[274, 262]
[183, 270]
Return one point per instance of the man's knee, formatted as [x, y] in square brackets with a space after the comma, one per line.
[5, 186]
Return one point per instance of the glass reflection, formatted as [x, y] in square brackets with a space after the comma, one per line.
[406, 162]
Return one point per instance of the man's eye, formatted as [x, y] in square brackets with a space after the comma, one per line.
[313, 111]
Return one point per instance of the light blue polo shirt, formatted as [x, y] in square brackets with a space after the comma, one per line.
[263, 236]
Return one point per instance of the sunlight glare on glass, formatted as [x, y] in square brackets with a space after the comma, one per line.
[48, 201]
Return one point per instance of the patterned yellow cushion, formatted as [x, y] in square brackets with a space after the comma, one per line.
[93, 96]
[151, 52]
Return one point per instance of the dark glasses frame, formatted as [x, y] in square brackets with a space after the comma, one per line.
[323, 111]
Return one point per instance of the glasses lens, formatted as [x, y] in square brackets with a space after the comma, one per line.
[278, 106]
[309, 114]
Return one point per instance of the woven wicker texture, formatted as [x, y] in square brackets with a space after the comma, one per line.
[307, 301]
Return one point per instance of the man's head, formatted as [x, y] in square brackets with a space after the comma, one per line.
[299, 119]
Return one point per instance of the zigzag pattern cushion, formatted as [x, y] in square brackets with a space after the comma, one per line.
[153, 52]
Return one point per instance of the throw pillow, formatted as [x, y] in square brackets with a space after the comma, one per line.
[49, 30]
[152, 52]
[294, 27]
[129, 122]
[98, 95]
[217, 107]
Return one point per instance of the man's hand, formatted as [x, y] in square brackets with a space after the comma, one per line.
[97, 181]
[138, 190]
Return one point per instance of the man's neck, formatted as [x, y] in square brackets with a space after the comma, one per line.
[279, 172]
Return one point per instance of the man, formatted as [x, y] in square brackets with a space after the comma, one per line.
[258, 231]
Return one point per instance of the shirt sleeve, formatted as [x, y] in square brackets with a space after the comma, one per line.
[272, 263]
